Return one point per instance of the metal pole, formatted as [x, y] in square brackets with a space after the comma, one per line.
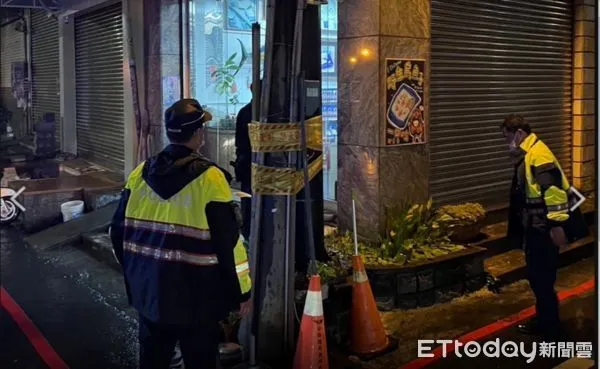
[256, 88]
[257, 200]
[290, 236]
[30, 118]
[307, 196]
[185, 48]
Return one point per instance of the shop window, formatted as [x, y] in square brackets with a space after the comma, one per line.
[221, 73]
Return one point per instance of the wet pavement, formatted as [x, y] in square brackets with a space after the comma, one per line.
[16, 350]
[577, 315]
[76, 303]
[467, 313]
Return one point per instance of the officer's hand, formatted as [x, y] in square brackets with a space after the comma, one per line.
[246, 307]
[558, 236]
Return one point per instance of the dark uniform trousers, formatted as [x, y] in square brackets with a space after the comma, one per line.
[541, 255]
[246, 211]
[199, 344]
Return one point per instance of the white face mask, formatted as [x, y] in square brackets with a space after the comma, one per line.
[202, 142]
[514, 146]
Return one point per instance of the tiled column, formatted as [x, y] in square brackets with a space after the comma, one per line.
[381, 177]
[584, 95]
[163, 77]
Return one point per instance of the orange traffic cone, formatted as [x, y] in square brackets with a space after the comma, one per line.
[368, 335]
[311, 350]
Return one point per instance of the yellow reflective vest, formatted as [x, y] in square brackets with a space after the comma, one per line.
[554, 201]
[168, 241]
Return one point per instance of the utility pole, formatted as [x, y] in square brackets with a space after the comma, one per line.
[279, 234]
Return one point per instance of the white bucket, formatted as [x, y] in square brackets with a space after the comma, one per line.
[71, 210]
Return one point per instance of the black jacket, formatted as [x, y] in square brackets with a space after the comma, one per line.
[243, 150]
[519, 221]
[209, 293]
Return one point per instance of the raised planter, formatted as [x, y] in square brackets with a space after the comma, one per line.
[96, 198]
[468, 233]
[415, 285]
[42, 198]
[428, 282]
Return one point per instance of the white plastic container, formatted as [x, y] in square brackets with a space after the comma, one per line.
[71, 210]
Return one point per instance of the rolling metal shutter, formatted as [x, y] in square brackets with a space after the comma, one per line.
[12, 48]
[489, 59]
[45, 68]
[99, 85]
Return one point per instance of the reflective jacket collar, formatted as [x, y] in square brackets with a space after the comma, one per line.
[172, 169]
[528, 142]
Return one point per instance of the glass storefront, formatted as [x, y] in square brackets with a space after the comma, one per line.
[221, 73]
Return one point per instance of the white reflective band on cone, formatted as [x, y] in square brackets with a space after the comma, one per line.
[314, 304]
[360, 277]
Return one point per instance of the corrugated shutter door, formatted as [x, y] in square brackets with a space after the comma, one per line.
[490, 59]
[45, 68]
[12, 48]
[99, 84]
[12, 45]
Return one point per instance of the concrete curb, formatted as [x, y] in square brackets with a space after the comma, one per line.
[69, 233]
[99, 246]
[510, 267]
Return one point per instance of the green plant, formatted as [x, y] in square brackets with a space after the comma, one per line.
[328, 272]
[225, 76]
[460, 215]
[413, 233]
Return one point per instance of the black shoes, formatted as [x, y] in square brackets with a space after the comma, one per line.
[530, 328]
[550, 334]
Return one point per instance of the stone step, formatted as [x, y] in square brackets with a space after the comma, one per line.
[99, 246]
[509, 266]
[69, 233]
[493, 236]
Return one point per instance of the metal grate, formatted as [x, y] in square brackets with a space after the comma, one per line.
[45, 69]
[99, 85]
[489, 59]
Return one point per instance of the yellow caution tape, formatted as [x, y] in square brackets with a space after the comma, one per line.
[282, 181]
[281, 137]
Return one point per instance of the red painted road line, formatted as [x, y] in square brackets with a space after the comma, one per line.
[496, 326]
[35, 337]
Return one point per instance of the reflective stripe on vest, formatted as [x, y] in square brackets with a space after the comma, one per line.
[201, 234]
[181, 218]
[242, 267]
[170, 255]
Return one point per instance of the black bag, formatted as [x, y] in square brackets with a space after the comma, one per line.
[576, 227]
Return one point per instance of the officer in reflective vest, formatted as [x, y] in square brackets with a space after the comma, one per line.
[176, 236]
[539, 209]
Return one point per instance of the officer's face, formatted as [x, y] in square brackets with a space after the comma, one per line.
[198, 139]
[514, 139]
[508, 136]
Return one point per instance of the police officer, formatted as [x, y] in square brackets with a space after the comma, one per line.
[539, 209]
[176, 236]
[243, 162]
